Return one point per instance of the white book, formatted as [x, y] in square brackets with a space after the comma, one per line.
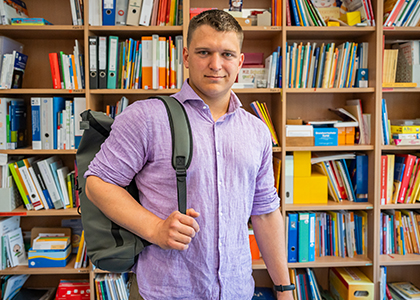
[146, 12]
[29, 184]
[76, 54]
[155, 62]
[13, 285]
[289, 173]
[162, 63]
[44, 168]
[73, 12]
[62, 179]
[268, 69]
[17, 248]
[416, 17]
[412, 15]
[274, 64]
[7, 63]
[79, 104]
[68, 114]
[47, 123]
[179, 67]
[8, 224]
[66, 71]
[287, 65]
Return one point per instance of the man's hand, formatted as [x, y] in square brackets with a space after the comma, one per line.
[177, 231]
[288, 295]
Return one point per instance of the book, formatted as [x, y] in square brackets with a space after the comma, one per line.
[13, 285]
[405, 289]
[19, 66]
[17, 252]
[30, 21]
[12, 9]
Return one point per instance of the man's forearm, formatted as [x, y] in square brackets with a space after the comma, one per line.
[269, 233]
[119, 206]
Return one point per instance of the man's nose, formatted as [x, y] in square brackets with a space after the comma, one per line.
[215, 62]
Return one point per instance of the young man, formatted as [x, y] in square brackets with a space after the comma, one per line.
[204, 254]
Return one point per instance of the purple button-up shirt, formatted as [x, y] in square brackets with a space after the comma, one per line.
[230, 178]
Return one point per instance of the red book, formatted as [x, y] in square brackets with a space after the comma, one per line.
[55, 70]
[384, 178]
[288, 19]
[409, 165]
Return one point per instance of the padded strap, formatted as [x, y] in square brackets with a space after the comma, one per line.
[182, 146]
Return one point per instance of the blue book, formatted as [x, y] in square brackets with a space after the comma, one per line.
[292, 245]
[54, 167]
[385, 128]
[59, 103]
[280, 85]
[315, 66]
[36, 123]
[302, 13]
[349, 83]
[346, 171]
[290, 65]
[302, 279]
[322, 65]
[381, 239]
[17, 118]
[327, 234]
[346, 58]
[359, 177]
[276, 82]
[295, 12]
[356, 233]
[19, 66]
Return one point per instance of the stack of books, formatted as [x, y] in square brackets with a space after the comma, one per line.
[12, 246]
[401, 232]
[44, 183]
[135, 13]
[327, 66]
[262, 113]
[400, 180]
[401, 13]
[67, 70]
[405, 132]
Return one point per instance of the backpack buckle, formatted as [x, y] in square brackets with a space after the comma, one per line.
[180, 169]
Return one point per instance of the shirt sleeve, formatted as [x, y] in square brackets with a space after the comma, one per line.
[124, 152]
[266, 199]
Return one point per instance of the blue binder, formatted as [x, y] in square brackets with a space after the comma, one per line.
[293, 238]
[108, 12]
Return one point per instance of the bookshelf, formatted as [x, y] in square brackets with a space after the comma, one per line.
[283, 103]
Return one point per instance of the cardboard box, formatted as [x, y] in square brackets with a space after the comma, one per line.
[264, 19]
[310, 190]
[49, 258]
[349, 284]
[299, 141]
[352, 18]
[326, 136]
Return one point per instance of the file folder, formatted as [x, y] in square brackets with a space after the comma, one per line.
[93, 62]
[102, 66]
[112, 62]
[108, 13]
[121, 7]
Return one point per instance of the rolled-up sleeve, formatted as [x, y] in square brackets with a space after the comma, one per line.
[266, 199]
[124, 152]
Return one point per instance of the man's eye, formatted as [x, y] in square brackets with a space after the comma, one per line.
[228, 54]
[203, 52]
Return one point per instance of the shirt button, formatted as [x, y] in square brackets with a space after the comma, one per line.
[218, 153]
[220, 182]
[204, 107]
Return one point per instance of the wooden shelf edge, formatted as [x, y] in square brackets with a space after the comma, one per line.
[330, 148]
[329, 91]
[401, 206]
[32, 91]
[29, 151]
[398, 260]
[22, 211]
[332, 261]
[331, 205]
[69, 269]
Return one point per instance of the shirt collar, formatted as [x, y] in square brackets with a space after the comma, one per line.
[187, 93]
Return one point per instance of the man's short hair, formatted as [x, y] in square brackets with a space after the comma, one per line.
[219, 20]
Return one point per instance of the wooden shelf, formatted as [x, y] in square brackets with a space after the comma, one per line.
[50, 32]
[69, 269]
[400, 90]
[276, 149]
[329, 91]
[395, 148]
[325, 33]
[134, 91]
[400, 33]
[333, 261]
[330, 148]
[331, 205]
[401, 206]
[399, 260]
[258, 91]
[29, 151]
[41, 92]
[22, 211]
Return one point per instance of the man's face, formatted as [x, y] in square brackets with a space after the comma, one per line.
[214, 59]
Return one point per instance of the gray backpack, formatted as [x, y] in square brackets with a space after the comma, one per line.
[109, 246]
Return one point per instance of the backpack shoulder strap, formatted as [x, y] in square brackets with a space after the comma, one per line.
[182, 145]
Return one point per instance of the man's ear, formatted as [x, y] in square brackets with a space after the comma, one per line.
[185, 56]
